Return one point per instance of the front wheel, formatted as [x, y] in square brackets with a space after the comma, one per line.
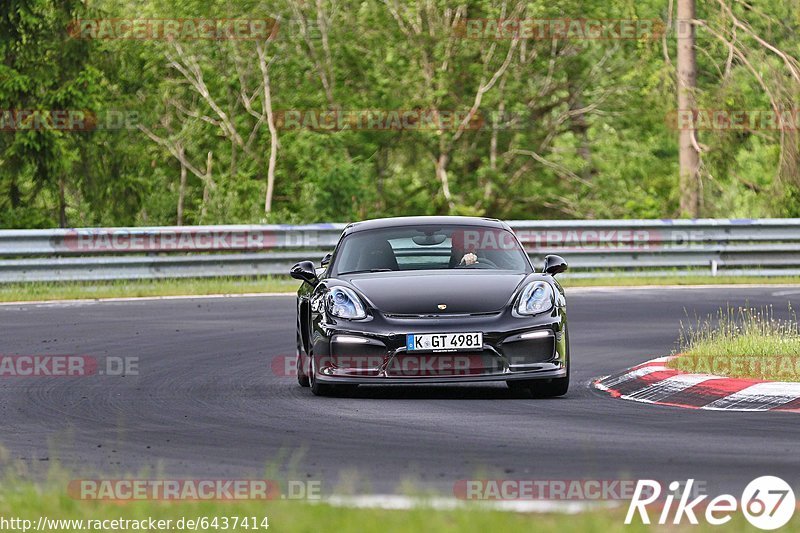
[302, 378]
[551, 389]
[541, 388]
[325, 389]
[317, 388]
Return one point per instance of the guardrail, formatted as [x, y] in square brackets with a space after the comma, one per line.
[760, 247]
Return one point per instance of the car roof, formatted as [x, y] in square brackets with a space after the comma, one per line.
[395, 222]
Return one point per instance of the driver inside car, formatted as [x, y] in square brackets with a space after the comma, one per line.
[469, 259]
[461, 255]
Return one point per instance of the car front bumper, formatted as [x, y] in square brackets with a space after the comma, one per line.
[374, 351]
[547, 372]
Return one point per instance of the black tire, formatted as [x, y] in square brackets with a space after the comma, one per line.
[326, 389]
[302, 378]
[551, 389]
[541, 388]
[321, 389]
[317, 388]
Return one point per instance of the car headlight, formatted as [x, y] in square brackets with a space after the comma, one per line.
[343, 303]
[537, 297]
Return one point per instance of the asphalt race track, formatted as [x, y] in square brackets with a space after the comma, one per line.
[206, 402]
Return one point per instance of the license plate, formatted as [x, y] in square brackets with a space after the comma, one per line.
[437, 342]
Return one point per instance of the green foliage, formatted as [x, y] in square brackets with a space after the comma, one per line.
[791, 201]
[571, 128]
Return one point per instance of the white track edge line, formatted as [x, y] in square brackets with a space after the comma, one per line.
[399, 502]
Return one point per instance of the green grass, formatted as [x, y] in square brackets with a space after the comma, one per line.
[24, 500]
[13, 292]
[693, 279]
[66, 290]
[741, 342]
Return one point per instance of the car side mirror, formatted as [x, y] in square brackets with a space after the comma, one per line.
[554, 264]
[326, 260]
[304, 271]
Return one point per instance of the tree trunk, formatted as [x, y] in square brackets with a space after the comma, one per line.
[62, 203]
[441, 175]
[266, 109]
[689, 158]
[273, 148]
[207, 186]
[181, 188]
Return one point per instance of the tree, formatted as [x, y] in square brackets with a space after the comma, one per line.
[687, 85]
[37, 159]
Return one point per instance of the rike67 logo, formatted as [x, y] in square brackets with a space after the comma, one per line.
[768, 502]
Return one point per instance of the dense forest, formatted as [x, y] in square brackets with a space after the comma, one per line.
[117, 112]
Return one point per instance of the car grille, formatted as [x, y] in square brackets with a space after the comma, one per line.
[524, 352]
[357, 359]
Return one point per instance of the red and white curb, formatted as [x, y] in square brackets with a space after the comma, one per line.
[653, 382]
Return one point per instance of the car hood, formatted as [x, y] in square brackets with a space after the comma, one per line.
[423, 292]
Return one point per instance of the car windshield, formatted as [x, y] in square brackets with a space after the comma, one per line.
[430, 248]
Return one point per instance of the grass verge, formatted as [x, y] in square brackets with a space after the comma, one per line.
[743, 342]
[693, 279]
[26, 501]
[76, 290]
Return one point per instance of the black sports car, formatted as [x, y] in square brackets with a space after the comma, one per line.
[431, 300]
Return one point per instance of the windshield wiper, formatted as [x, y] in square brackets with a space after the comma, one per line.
[367, 270]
